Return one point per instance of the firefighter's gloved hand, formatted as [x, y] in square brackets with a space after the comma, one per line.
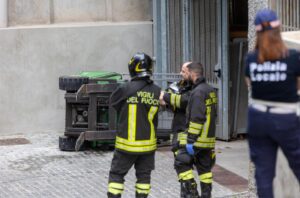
[190, 149]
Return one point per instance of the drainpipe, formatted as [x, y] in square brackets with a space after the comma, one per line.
[3, 13]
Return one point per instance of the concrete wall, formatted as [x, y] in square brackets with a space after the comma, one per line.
[285, 183]
[82, 35]
[32, 59]
[25, 12]
[29, 12]
[254, 6]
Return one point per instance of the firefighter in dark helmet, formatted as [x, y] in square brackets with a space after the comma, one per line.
[198, 142]
[137, 104]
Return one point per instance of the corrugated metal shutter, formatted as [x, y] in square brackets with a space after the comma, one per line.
[175, 36]
[288, 12]
[205, 37]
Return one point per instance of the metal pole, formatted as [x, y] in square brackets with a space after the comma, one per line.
[164, 43]
[224, 71]
[160, 26]
[218, 66]
[156, 35]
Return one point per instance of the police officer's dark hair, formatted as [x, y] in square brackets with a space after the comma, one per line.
[196, 67]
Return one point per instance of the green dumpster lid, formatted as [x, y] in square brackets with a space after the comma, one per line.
[101, 74]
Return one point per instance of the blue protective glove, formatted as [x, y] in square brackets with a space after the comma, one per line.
[190, 149]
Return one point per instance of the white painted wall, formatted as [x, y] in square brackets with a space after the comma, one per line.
[32, 59]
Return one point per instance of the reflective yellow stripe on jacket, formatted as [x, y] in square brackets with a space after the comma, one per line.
[131, 144]
[132, 122]
[203, 141]
[175, 100]
[195, 128]
[200, 143]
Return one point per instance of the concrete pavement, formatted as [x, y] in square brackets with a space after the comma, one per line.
[31, 165]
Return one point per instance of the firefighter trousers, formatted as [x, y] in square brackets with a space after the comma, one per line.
[203, 160]
[266, 133]
[121, 164]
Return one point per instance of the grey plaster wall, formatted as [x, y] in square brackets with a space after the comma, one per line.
[25, 12]
[78, 10]
[32, 12]
[32, 59]
[254, 6]
[132, 10]
[285, 183]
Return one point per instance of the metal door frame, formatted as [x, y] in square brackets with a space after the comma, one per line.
[223, 132]
[160, 14]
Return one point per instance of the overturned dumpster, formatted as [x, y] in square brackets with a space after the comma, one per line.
[89, 119]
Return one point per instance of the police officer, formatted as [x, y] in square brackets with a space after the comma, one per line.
[137, 104]
[176, 98]
[198, 142]
[272, 71]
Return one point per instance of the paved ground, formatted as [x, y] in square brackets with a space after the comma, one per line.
[39, 169]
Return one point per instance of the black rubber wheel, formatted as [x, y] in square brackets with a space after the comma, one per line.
[68, 143]
[72, 83]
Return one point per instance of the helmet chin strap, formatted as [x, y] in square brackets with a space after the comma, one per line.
[146, 75]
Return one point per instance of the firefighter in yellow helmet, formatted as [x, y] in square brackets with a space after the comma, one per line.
[137, 104]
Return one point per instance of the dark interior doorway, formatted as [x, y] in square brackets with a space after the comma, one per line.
[238, 47]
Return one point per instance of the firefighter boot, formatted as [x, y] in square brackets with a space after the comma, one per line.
[205, 190]
[140, 195]
[182, 190]
[189, 189]
[110, 195]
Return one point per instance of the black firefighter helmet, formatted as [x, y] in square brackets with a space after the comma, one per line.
[140, 65]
